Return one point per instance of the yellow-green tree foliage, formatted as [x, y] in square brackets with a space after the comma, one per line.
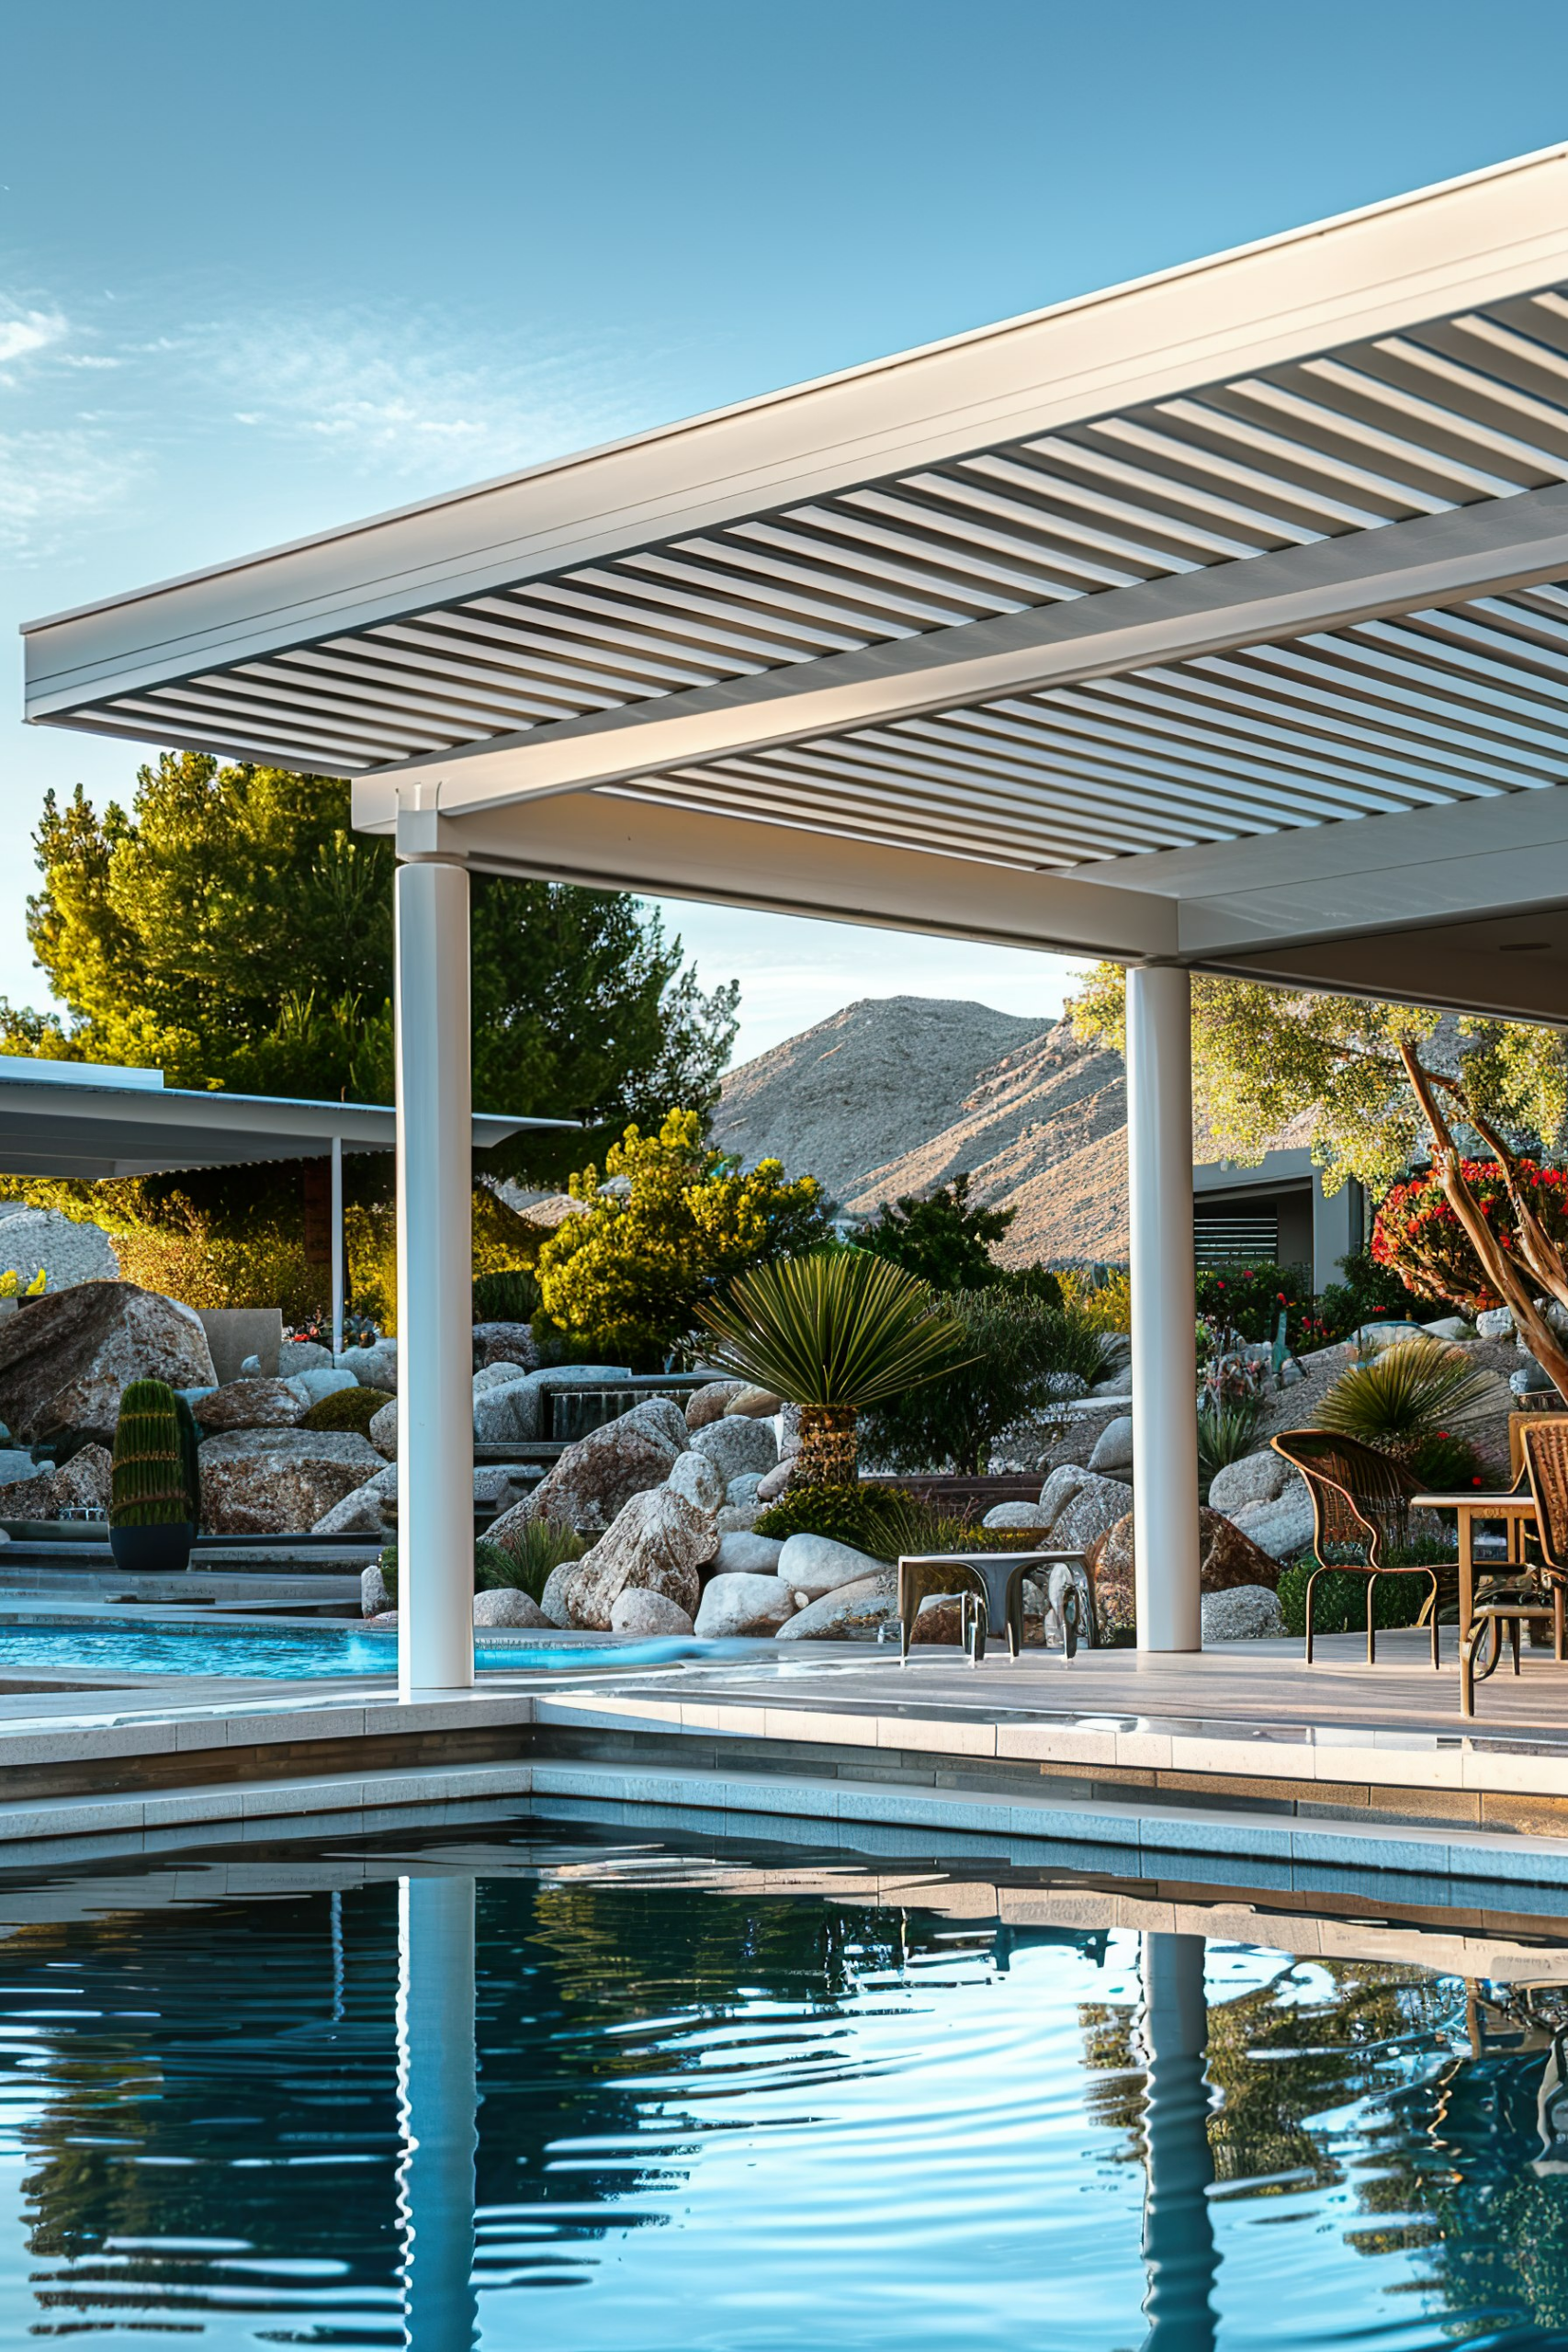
[630, 1269]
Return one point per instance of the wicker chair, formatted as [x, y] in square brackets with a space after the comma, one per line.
[1360, 1502]
[1518, 1593]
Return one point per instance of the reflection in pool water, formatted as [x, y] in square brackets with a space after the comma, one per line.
[377, 2096]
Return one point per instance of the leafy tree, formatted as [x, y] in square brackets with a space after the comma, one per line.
[1019, 1353]
[1374, 1076]
[943, 1239]
[232, 929]
[669, 1221]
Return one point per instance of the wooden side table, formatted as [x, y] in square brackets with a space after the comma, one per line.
[1515, 1511]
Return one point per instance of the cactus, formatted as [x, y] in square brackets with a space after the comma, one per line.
[151, 1481]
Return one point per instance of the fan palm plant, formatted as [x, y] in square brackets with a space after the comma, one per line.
[832, 1331]
[1404, 1396]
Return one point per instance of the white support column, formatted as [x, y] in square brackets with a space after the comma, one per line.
[435, 1427]
[1165, 1436]
[337, 1245]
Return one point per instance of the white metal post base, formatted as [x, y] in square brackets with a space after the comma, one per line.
[435, 1427]
[1165, 1312]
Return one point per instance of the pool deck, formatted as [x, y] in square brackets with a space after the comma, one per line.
[1241, 1759]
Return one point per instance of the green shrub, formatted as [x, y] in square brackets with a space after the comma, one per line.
[1249, 1298]
[943, 1239]
[1369, 1291]
[387, 1564]
[1445, 1463]
[1340, 1605]
[1016, 1348]
[509, 1295]
[150, 1483]
[346, 1408]
[883, 1520]
[839, 1511]
[523, 1559]
[1225, 1433]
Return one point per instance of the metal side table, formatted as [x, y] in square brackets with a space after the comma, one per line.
[990, 1589]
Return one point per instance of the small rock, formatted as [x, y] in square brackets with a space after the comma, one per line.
[816, 1564]
[1256, 1478]
[694, 1476]
[1015, 1515]
[374, 1596]
[364, 1510]
[552, 1601]
[1245, 1612]
[742, 1491]
[741, 1555]
[1283, 1527]
[250, 1405]
[737, 1445]
[505, 1343]
[648, 1614]
[743, 1604]
[755, 1404]
[16, 1466]
[786, 1431]
[774, 1483]
[1115, 1384]
[301, 1355]
[705, 1405]
[383, 1431]
[83, 1482]
[1494, 1323]
[1114, 1446]
[502, 1606]
[730, 1522]
[508, 1411]
[497, 1375]
[853, 1613]
[658, 1540]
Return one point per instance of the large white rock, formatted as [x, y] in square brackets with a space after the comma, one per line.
[853, 1613]
[501, 1606]
[1494, 1323]
[14, 1465]
[552, 1601]
[372, 1367]
[705, 1405]
[1015, 1515]
[735, 1446]
[743, 1604]
[250, 1405]
[1449, 1326]
[34, 1240]
[1256, 1478]
[300, 1355]
[1114, 1446]
[649, 1615]
[1378, 1336]
[1281, 1528]
[65, 1358]
[374, 1596]
[661, 1418]
[743, 1554]
[496, 1375]
[742, 1491]
[1246, 1612]
[1059, 1489]
[1115, 1384]
[506, 1411]
[1092, 1511]
[383, 1431]
[757, 1404]
[311, 1387]
[659, 1541]
[363, 1511]
[731, 1520]
[694, 1476]
[816, 1564]
[280, 1482]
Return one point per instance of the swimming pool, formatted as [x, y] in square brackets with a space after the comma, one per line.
[532, 2088]
[278, 1652]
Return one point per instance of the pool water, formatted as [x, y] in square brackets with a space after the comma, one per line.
[515, 2090]
[276, 1651]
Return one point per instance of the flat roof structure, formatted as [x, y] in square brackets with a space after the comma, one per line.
[1218, 621]
[86, 1120]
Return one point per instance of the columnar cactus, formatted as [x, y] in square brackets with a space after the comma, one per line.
[151, 1482]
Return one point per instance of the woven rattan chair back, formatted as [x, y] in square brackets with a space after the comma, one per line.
[1361, 1497]
[1546, 1462]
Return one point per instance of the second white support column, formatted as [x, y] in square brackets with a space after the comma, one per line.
[436, 1425]
[1164, 1433]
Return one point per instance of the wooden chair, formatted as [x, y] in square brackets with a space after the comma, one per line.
[1517, 1594]
[1360, 1502]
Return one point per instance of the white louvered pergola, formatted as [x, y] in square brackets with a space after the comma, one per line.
[1218, 621]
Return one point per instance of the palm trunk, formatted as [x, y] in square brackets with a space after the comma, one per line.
[829, 1448]
[1508, 1276]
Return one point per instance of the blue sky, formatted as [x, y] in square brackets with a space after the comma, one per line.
[265, 269]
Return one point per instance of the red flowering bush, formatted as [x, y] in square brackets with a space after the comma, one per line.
[1419, 1238]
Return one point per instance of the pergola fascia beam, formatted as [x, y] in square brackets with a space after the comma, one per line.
[1484, 238]
[1485, 549]
[606, 841]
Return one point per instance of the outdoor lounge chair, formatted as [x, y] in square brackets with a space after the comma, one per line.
[1521, 1592]
[1360, 1502]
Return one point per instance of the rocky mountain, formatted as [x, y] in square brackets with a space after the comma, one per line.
[897, 1094]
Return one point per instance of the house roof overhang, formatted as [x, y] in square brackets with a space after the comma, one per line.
[1222, 616]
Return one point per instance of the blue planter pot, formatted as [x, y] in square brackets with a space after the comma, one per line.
[152, 1550]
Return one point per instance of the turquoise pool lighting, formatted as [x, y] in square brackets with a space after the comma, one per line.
[280, 1653]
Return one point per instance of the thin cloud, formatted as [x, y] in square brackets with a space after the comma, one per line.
[51, 482]
[23, 333]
